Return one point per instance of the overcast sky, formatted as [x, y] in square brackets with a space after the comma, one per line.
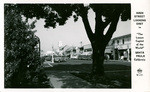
[72, 33]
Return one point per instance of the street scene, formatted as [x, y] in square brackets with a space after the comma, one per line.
[67, 46]
[76, 63]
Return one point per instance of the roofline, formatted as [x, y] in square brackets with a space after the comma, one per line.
[121, 36]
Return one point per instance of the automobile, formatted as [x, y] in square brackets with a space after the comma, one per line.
[60, 58]
[85, 57]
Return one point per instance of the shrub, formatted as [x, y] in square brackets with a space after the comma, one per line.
[22, 61]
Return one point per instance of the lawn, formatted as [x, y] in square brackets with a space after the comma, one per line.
[117, 74]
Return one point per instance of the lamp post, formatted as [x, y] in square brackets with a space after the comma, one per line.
[52, 55]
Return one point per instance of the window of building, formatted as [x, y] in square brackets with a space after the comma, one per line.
[113, 42]
[122, 41]
[117, 41]
[74, 50]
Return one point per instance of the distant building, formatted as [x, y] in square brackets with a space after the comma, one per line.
[118, 48]
[109, 50]
[87, 49]
[122, 47]
[49, 53]
[70, 51]
[60, 44]
[74, 53]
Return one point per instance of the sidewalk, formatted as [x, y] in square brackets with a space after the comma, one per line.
[63, 79]
[67, 80]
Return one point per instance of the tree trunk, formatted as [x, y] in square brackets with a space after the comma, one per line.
[98, 39]
[98, 60]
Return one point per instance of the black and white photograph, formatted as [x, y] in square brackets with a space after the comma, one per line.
[67, 45]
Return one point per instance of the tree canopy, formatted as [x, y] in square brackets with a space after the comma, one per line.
[57, 14]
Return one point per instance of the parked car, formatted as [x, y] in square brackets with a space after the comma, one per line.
[60, 58]
[85, 57]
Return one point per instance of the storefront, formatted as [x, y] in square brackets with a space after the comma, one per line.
[122, 52]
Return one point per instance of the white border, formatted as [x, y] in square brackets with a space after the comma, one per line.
[2, 46]
[139, 84]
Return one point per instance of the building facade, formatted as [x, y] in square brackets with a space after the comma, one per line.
[118, 48]
[122, 47]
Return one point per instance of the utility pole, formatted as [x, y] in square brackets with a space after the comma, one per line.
[52, 54]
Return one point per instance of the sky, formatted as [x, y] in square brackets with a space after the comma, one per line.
[72, 33]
